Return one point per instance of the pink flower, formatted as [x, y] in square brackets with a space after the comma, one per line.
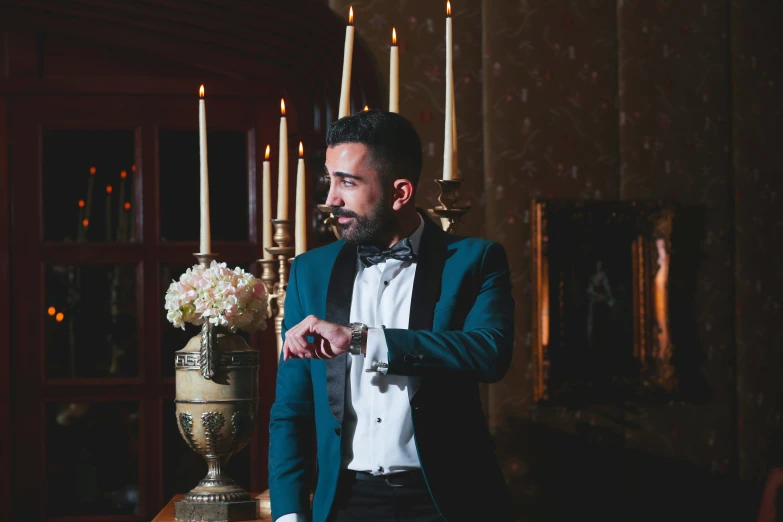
[230, 298]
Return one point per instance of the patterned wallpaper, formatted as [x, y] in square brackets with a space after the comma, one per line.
[756, 80]
[421, 38]
[621, 99]
[675, 143]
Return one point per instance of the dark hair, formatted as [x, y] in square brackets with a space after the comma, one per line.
[394, 144]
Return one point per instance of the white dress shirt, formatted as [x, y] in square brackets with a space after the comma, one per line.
[377, 428]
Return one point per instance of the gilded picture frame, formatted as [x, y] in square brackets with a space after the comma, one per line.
[600, 288]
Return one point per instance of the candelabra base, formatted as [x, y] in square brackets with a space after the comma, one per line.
[214, 511]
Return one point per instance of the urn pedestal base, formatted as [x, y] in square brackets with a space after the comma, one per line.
[223, 511]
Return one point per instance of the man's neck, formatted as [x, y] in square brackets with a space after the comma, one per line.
[406, 225]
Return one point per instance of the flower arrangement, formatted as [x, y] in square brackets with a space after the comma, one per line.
[233, 299]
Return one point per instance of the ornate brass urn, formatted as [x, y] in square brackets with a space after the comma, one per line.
[216, 407]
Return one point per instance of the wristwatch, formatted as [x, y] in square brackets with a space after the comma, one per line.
[358, 333]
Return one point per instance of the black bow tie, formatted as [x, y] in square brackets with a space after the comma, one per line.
[372, 255]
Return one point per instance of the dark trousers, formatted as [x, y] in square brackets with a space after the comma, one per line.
[401, 497]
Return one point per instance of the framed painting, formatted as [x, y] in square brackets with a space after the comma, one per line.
[601, 328]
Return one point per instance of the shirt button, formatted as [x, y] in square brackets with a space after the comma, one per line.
[337, 431]
[380, 469]
[386, 283]
[383, 326]
[378, 420]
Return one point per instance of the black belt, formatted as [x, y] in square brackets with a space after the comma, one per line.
[400, 479]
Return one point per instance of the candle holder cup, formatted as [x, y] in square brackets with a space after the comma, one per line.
[331, 221]
[448, 211]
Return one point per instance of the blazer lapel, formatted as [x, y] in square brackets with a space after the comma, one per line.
[427, 282]
[338, 310]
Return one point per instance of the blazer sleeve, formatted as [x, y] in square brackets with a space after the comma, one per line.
[482, 348]
[291, 420]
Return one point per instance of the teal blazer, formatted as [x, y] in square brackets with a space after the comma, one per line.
[460, 333]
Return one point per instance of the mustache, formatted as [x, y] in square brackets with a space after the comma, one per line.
[341, 212]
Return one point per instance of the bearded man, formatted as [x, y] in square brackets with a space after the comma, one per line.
[387, 334]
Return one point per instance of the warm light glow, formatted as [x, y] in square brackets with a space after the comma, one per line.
[266, 154]
[81, 203]
[92, 171]
[201, 91]
[51, 311]
[448, 8]
[85, 222]
[301, 150]
[127, 205]
[59, 317]
[133, 168]
[394, 36]
[124, 174]
[108, 189]
[350, 15]
[366, 107]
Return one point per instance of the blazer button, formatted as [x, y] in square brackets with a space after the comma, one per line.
[337, 431]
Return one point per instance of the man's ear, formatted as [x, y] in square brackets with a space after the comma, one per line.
[402, 193]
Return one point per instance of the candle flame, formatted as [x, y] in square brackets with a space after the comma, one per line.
[448, 8]
[127, 205]
[266, 153]
[124, 174]
[282, 107]
[108, 189]
[350, 15]
[92, 171]
[394, 36]
[85, 222]
[59, 317]
[51, 310]
[366, 107]
[301, 150]
[201, 91]
[81, 203]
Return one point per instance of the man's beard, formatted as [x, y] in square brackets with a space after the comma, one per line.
[372, 228]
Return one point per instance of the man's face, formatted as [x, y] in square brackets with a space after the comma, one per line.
[358, 199]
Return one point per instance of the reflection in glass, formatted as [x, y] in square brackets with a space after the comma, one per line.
[92, 458]
[179, 187]
[88, 185]
[90, 321]
[183, 468]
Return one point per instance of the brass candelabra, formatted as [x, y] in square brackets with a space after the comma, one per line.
[276, 278]
[448, 211]
[330, 221]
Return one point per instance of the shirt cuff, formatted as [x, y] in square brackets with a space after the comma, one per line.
[376, 357]
[292, 517]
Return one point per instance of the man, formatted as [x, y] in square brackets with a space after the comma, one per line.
[388, 333]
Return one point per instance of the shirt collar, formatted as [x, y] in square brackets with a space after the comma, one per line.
[416, 236]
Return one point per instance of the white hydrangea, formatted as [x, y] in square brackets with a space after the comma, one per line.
[233, 299]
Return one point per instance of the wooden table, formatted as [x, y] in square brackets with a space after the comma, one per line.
[167, 514]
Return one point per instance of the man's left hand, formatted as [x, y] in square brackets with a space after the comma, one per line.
[330, 340]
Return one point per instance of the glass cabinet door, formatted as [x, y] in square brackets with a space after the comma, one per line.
[106, 214]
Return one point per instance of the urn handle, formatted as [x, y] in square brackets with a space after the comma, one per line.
[209, 356]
